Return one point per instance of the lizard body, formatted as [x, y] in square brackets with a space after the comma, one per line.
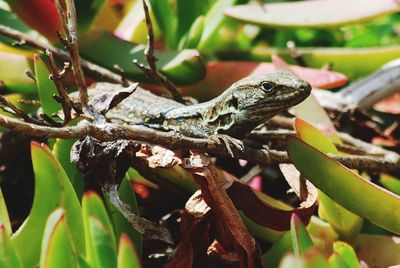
[243, 106]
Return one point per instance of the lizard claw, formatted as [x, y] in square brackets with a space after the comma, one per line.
[228, 141]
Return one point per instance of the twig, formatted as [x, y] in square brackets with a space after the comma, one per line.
[64, 99]
[110, 131]
[18, 112]
[91, 69]
[68, 16]
[151, 70]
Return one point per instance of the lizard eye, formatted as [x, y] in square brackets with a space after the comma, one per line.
[267, 87]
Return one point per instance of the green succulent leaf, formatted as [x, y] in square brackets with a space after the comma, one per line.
[56, 246]
[8, 255]
[347, 224]
[343, 256]
[345, 187]
[4, 218]
[330, 13]
[127, 256]
[97, 225]
[104, 252]
[300, 238]
[181, 67]
[52, 190]
[46, 87]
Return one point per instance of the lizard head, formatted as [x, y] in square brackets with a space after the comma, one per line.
[256, 99]
[266, 95]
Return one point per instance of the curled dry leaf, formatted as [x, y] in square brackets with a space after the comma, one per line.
[303, 188]
[196, 206]
[263, 214]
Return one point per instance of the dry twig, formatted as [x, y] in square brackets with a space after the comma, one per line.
[70, 40]
[151, 70]
[110, 131]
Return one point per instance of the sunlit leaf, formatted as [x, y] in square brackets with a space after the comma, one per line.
[329, 13]
[104, 253]
[300, 238]
[46, 87]
[8, 255]
[4, 218]
[391, 183]
[98, 230]
[354, 62]
[343, 256]
[61, 151]
[127, 256]
[12, 72]
[56, 245]
[45, 18]
[52, 190]
[183, 67]
[345, 187]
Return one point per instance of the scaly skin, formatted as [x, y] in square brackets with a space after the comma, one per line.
[243, 106]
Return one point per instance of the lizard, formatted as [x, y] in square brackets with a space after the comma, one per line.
[244, 105]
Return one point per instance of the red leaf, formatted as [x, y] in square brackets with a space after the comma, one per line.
[246, 200]
[39, 14]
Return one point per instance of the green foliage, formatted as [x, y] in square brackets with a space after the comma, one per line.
[54, 234]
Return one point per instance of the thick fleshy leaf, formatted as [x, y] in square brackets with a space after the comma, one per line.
[61, 151]
[133, 25]
[300, 238]
[390, 183]
[233, 71]
[345, 187]
[127, 256]
[12, 72]
[104, 253]
[312, 111]
[86, 12]
[121, 224]
[166, 20]
[347, 224]
[11, 20]
[329, 13]
[46, 87]
[354, 62]
[97, 225]
[52, 190]
[45, 18]
[343, 256]
[56, 245]
[183, 67]
[212, 22]
[4, 218]
[378, 250]
[8, 255]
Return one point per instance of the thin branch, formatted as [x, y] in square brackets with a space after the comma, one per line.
[151, 70]
[68, 17]
[18, 112]
[64, 99]
[110, 131]
[92, 70]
